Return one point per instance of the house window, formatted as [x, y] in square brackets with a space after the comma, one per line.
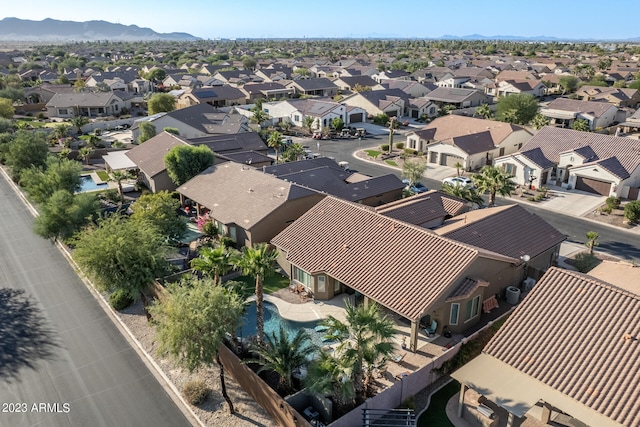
[472, 308]
[62, 111]
[296, 118]
[510, 169]
[322, 284]
[302, 276]
[453, 316]
[232, 232]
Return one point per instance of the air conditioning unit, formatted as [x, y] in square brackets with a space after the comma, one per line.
[528, 283]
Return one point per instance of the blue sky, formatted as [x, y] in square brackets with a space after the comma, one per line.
[356, 18]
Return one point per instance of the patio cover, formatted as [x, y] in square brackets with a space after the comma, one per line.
[117, 160]
[559, 114]
[517, 392]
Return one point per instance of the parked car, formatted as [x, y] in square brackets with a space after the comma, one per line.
[416, 187]
[458, 181]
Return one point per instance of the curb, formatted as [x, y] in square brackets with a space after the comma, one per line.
[146, 358]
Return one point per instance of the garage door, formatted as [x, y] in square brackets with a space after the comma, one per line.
[452, 160]
[355, 118]
[593, 185]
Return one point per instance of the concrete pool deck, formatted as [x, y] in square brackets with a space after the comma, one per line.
[311, 310]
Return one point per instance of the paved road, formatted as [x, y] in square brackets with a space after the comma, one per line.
[612, 240]
[58, 347]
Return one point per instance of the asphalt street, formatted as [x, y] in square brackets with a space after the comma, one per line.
[612, 240]
[62, 360]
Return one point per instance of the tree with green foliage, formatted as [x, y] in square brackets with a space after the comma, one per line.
[172, 131]
[215, 262]
[632, 211]
[57, 174]
[78, 122]
[258, 262]
[568, 84]
[495, 181]
[330, 375]
[27, 149]
[413, 170]
[539, 121]
[156, 75]
[61, 130]
[483, 111]
[248, 63]
[275, 142]
[604, 64]
[85, 153]
[309, 121]
[301, 71]
[147, 131]
[592, 241]
[118, 176]
[183, 162]
[519, 108]
[364, 340]
[634, 85]
[160, 211]
[63, 214]
[121, 254]
[283, 353]
[161, 103]
[463, 192]
[581, 125]
[259, 116]
[192, 322]
[6, 108]
[338, 124]
[293, 152]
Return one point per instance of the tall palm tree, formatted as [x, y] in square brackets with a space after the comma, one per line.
[78, 122]
[495, 181]
[458, 167]
[332, 375]
[85, 153]
[365, 341]
[215, 262]
[275, 142]
[308, 122]
[283, 353]
[119, 176]
[483, 111]
[592, 241]
[257, 261]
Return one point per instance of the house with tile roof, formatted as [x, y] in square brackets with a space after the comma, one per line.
[247, 205]
[392, 102]
[216, 96]
[325, 175]
[569, 353]
[510, 87]
[88, 104]
[339, 246]
[313, 87]
[592, 162]
[266, 90]
[428, 210]
[323, 112]
[458, 97]
[195, 121]
[563, 112]
[470, 141]
[618, 96]
[347, 83]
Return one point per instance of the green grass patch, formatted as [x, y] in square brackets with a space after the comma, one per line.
[391, 162]
[373, 153]
[31, 122]
[436, 415]
[271, 284]
[103, 175]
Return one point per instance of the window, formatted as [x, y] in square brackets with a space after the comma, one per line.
[453, 316]
[62, 111]
[302, 276]
[296, 118]
[472, 308]
[510, 169]
[322, 284]
[232, 232]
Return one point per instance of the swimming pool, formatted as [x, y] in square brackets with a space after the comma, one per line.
[88, 184]
[272, 321]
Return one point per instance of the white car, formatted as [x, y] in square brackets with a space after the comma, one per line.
[458, 181]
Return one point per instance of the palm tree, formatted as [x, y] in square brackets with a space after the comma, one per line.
[332, 375]
[458, 166]
[592, 241]
[495, 181]
[365, 342]
[293, 152]
[119, 176]
[78, 122]
[283, 353]
[539, 121]
[308, 122]
[483, 111]
[85, 153]
[259, 117]
[413, 170]
[275, 142]
[463, 192]
[61, 130]
[64, 153]
[215, 262]
[257, 261]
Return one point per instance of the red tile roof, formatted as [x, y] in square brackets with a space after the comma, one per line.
[580, 336]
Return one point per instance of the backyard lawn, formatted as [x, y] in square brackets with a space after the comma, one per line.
[435, 415]
[103, 175]
[271, 284]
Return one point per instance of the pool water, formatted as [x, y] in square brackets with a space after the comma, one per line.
[88, 184]
[272, 321]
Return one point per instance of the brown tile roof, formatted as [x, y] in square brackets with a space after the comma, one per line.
[149, 156]
[453, 126]
[549, 142]
[593, 108]
[376, 255]
[424, 207]
[466, 288]
[569, 333]
[235, 193]
[508, 230]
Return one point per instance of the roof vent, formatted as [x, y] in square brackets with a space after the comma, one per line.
[345, 247]
[628, 338]
[250, 190]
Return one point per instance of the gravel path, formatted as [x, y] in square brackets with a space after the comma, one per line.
[213, 412]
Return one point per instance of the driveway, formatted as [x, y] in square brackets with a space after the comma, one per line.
[574, 202]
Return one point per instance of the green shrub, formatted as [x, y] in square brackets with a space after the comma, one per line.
[120, 299]
[399, 145]
[531, 199]
[632, 211]
[605, 210]
[613, 202]
[539, 197]
[196, 391]
[410, 151]
[381, 119]
[585, 261]
[384, 147]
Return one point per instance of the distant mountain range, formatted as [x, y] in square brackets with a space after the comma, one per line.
[52, 30]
